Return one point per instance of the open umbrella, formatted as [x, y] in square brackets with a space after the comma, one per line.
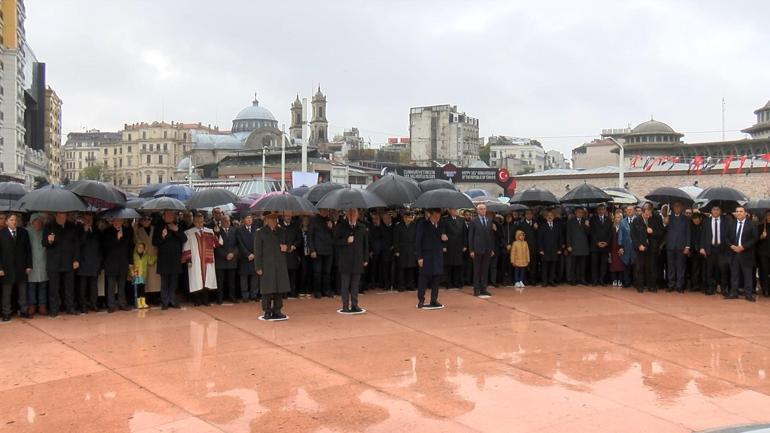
[211, 198]
[495, 206]
[177, 191]
[443, 198]
[161, 204]
[722, 193]
[476, 192]
[317, 192]
[758, 207]
[535, 197]
[120, 212]
[280, 201]
[51, 199]
[585, 193]
[243, 205]
[148, 191]
[135, 202]
[10, 193]
[300, 190]
[621, 195]
[431, 184]
[347, 198]
[517, 207]
[395, 190]
[694, 191]
[98, 194]
[669, 194]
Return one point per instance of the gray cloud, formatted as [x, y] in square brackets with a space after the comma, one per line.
[545, 69]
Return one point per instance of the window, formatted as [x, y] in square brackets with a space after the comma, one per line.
[148, 159]
[165, 134]
[144, 135]
[128, 180]
[129, 137]
[114, 150]
[149, 180]
[160, 177]
[160, 159]
[144, 147]
[165, 147]
[128, 150]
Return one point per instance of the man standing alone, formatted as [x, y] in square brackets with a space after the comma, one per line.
[481, 244]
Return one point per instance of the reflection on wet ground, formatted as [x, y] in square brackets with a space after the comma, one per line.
[571, 359]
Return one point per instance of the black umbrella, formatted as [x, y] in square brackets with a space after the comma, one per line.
[347, 198]
[148, 191]
[535, 197]
[758, 207]
[12, 191]
[317, 192]
[494, 206]
[120, 212]
[211, 198]
[300, 190]
[98, 194]
[135, 202]
[517, 207]
[282, 201]
[585, 193]
[395, 190]
[433, 184]
[443, 198]
[51, 199]
[722, 193]
[669, 194]
[161, 204]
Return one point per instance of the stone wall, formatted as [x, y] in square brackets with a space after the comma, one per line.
[755, 185]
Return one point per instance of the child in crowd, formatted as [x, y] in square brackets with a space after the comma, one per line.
[139, 272]
[519, 258]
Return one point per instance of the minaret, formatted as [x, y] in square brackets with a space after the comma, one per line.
[318, 124]
[295, 130]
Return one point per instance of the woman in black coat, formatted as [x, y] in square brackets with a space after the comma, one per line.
[169, 238]
[118, 247]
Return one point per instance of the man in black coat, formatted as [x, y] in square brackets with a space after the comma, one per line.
[430, 245]
[697, 263]
[482, 244]
[530, 227]
[386, 257]
[375, 251]
[549, 242]
[118, 247]
[293, 242]
[62, 242]
[248, 279]
[678, 240]
[91, 264]
[404, 238]
[742, 239]
[169, 239]
[321, 242]
[763, 253]
[15, 264]
[600, 234]
[713, 247]
[578, 247]
[456, 246]
[352, 242]
[226, 260]
[646, 237]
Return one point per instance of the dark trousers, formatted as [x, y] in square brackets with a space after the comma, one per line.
[718, 269]
[37, 293]
[455, 276]
[406, 278]
[493, 274]
[697, 272]
[7, 290]
[322, 275]
[645, 269]
[225, 284]
[675, 269]
[58, 283]
[763, 263]
[424, 282]
[349, 285]
[201, 297]
[168, 285]
[293, 282]
[468, 271]
[115, 283]
[87, 291]
[548, 269]
[272, 303]
[481, 271]
[249, 286]
[628, 275]
[373, 271]
[519, 274]
[385, 267]
[534, 259]
[305, 283]
[741, 271]
[599, 265]
[578, 275]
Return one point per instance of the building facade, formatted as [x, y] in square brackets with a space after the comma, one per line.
[85, 149]
[594, 154]
[761, 129]
[52, 135]
[555, 160]
[443, 134]
[319, 126]
[518, 155]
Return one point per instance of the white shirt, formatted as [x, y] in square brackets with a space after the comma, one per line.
[739, 232]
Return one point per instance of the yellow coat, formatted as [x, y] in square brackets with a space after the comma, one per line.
[520, 254]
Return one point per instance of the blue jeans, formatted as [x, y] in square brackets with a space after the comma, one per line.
[37, 294]
[519, 274]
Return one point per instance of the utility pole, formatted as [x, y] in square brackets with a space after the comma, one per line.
[723, 118]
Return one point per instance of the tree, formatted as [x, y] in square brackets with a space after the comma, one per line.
[40, 182]
[484, 154]
[94, 172]
[526, 170]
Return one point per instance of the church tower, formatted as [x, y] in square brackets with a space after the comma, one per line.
[319, 126]
[295, 131]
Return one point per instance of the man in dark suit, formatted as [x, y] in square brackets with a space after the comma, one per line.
[646, 236]
[248, 278]
[375, 251]
[713, 247]
[530, 227]
[697, 263]
[91, 263]
[62, 242]
[293, 242]
[386, 258]
[468, 261]
[169, 239]
[742, 238]
[118, 247]
[456, 245]
[678, 240]
[578, 247]
[482, 245]
[549, 241]
[763, 253]
[226, 260]
[352, 242]
[15, 264]
[600, 234]
[404, 238]
[430, 245]
[321, 242]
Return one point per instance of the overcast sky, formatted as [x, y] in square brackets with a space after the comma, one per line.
[556, 71]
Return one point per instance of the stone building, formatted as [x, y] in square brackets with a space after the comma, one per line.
[443, 134]
[516, 154]
[85, 149]
[52, 135]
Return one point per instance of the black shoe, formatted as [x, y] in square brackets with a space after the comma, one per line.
[278, 316]
[356, 309]
[125, 308]
[329, 295]
[164, 307]
[653, 290]
[317, 295]
[733, 296]
[485, 293]
[110, 310]
[435, 305]
[420, 304]
[268, 315]
[25, 315]
[175, 306]
[53, 314]
[751, 298]
[345, 310]
[669, 290]
[639, 290]
[72, 312]
[234, 301]
[6, 317]
[710, 293]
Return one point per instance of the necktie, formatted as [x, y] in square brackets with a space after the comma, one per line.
[13, 233]
[550, 225]
[483, 221]
[740, 232]
[601, 219]
[717, 239]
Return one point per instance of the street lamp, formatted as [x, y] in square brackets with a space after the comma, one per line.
[621, 162]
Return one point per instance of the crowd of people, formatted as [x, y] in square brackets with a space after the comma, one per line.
[52, 263]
